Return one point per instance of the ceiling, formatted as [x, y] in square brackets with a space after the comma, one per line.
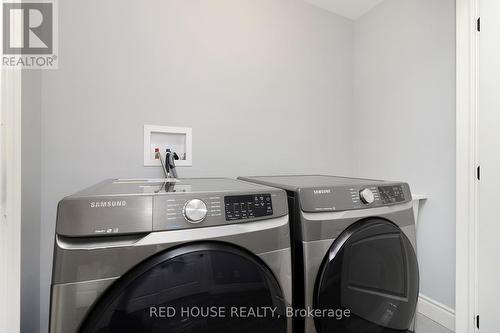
[352, 9]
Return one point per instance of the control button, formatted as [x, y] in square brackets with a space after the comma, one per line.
[195, 211]
[367, 196]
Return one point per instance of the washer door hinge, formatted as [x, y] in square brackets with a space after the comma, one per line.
[478, 172]
[478, 24]
[477, 321]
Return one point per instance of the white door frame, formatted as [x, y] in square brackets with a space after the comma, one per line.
[10, 196]
[10, 201]
[467, 162]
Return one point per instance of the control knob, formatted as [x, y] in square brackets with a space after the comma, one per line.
[366, 196]
[195, 211]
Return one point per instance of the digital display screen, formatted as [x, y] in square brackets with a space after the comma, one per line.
[391, 194]
[242, 207]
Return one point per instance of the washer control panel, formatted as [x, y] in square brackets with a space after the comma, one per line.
[241, 207]
[186, 211]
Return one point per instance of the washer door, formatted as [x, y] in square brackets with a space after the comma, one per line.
[195, 289]
[372, 270]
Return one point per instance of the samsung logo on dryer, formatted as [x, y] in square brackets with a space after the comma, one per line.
[108, 203]
[322, 191]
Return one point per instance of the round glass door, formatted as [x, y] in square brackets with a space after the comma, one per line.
[372, 271]
[200, 288]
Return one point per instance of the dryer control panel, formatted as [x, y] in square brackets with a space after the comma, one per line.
[391, 194]
[361, 196]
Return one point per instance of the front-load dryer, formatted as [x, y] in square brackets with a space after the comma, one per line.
[192, 255]
[353, 252]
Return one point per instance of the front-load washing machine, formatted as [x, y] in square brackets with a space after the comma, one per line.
[192, 255]
[353, 253]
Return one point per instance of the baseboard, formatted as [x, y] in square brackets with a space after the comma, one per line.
[437, 312]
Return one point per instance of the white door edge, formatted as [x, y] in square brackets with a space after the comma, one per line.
[10, 200]
[466, 164]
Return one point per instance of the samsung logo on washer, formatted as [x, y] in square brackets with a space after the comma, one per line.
[323, 191]
[105, 204]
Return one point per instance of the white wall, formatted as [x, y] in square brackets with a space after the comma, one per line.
[30, 201]
[404, 111]
[266, 86]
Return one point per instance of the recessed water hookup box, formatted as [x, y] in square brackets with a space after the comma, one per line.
[177, 139]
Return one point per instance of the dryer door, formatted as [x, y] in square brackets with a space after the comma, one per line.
[371, 270]
[199, 288]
